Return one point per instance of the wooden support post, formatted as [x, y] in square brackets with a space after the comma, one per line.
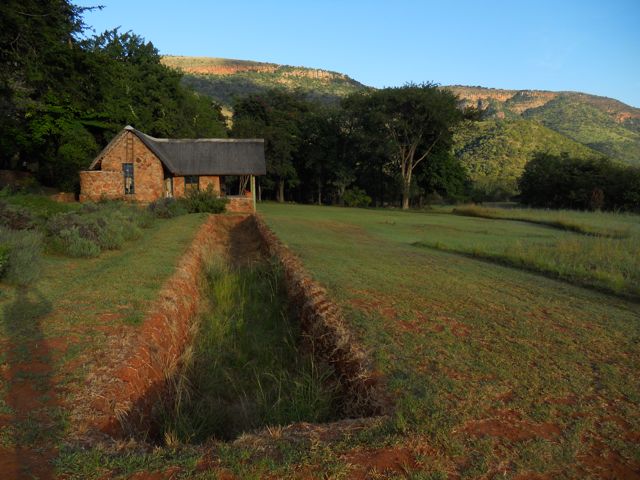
[253, 191]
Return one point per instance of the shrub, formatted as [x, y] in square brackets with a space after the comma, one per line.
[106, 226]
[356, 197]
[88, 226]
[143, 219]
[72, 243]
[167, 208]
[204, 201]
[15, 217]
[434, 198]
[22, 253]
[5, 250]
[112, 235]
[565, 182]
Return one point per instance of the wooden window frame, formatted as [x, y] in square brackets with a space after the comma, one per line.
[189, 184]
[125, 174]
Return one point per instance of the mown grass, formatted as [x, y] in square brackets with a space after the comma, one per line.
[246, 369]
[460, 342]
[75, 305]
[39, 205]
[463, 341]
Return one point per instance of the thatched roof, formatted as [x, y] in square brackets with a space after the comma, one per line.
[206, 156]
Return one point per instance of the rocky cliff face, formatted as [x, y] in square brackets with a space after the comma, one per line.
[498, 101]
[223, 66]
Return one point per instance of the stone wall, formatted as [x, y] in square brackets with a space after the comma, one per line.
[240, 204]
[148, 174]
[98, 184]
[204, 182]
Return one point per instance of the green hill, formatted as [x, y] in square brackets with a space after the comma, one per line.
[519, 122]
[604, 124]
[495, 152]
[223, 79]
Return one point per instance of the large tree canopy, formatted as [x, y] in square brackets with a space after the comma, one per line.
[277, 117]
[412, 124]
[63, 96]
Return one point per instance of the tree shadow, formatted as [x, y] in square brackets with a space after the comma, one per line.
[29, 389]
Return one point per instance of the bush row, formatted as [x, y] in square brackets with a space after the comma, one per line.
[196, 201]
[80, 231]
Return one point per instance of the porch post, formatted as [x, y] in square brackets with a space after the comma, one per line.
[253, 191]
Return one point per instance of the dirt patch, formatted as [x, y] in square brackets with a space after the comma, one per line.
[372, 304]
[386, 461]
[325, 331]
[508, 425]
[505, 397]
[168, 474]
[607, 464]
[532, 476]
[566, 400]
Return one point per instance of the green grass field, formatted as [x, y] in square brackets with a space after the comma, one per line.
[497, 369]
[51, 331]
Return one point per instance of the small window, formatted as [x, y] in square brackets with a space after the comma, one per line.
[191, 182]
[129, 186]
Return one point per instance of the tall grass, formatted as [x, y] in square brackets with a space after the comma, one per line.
[608, 264]
[246, 369]
[614, 225]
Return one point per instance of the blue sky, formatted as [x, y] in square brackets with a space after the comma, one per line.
[587, 46]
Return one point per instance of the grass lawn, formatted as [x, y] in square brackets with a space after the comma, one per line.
[496, 369]
[47, 328]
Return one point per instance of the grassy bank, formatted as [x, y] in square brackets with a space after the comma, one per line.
[246, 369]
[604, 224]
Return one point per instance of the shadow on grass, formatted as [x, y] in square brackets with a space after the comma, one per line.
[30, 390]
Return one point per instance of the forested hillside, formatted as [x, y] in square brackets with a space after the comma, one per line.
[494, 152]
[225, 80]
[604, 124]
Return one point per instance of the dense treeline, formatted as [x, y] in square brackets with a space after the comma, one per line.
[377, 146]
[63, 96]
[560, 181]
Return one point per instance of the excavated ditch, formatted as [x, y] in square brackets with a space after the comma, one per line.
[136, 391]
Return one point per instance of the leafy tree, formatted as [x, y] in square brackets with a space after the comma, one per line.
[62, 97]
[414, 123]
[566, 182]
[277, 117]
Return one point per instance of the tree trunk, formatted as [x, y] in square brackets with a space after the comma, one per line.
[405, 200]
[281, 191]
[406, 192]
[319, 193]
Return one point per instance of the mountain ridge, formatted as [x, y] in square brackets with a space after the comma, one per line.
[601, 124]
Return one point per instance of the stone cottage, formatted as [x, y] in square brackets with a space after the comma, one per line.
[135, 166]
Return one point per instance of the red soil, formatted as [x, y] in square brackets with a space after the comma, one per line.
[508, 425]
[393, 460]
[31, 388]
[607, 464]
